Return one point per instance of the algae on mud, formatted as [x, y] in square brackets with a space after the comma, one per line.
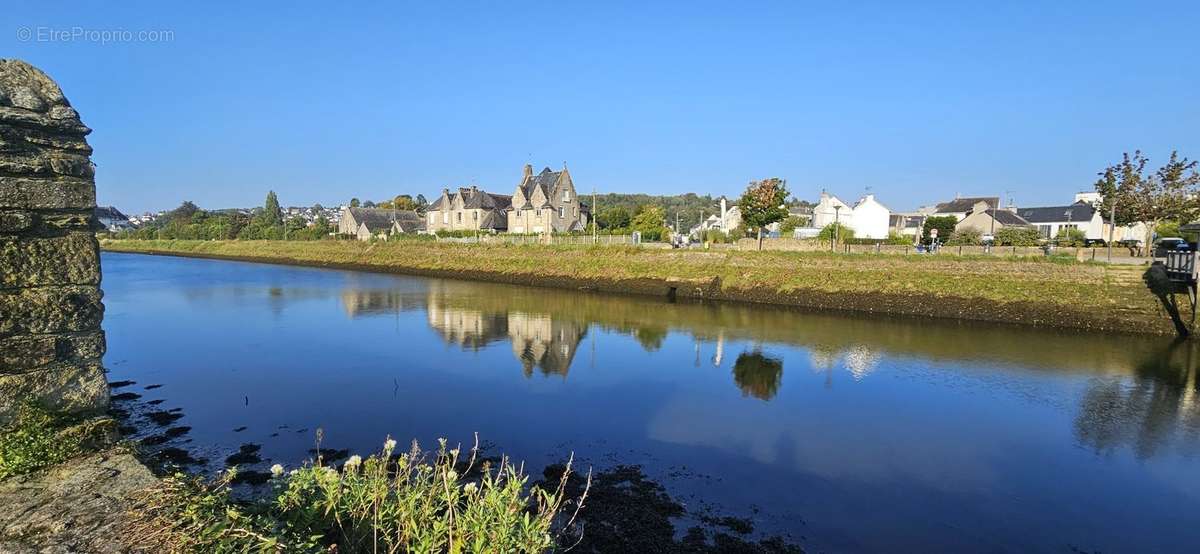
[1031, 291]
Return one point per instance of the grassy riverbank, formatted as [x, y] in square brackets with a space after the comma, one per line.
[1034, 291]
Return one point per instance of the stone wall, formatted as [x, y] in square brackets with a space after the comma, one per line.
[50, 310]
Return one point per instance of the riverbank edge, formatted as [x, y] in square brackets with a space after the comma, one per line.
[947, 307]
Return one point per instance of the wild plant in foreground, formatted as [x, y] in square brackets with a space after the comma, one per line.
[386, 502]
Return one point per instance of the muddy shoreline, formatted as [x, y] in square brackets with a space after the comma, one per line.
[947, 307]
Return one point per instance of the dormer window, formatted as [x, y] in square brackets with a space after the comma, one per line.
[566, 195]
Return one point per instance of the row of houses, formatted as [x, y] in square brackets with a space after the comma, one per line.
[870, 219]
[545, 202]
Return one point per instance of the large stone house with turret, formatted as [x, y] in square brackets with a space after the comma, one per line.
[546, 203]
[468, 209]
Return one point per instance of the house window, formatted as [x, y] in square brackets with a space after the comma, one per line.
[562, 212]
[575, 211]
[1044, 230]
[445, 218]
[459, 216]
[475, 215]
[566, 195]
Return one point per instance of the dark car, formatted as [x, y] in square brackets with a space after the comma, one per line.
[1169, 244]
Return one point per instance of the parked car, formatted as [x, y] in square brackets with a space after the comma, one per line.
[1168, 244]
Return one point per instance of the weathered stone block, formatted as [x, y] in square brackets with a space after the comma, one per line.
[73, 259]
[48, 193]
[71, 388]
[42, 310]
[25, 353]
[12, 221]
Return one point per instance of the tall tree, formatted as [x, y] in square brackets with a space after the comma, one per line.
[272, 215]
[764, 203]
[354, 203]
[1167, 195]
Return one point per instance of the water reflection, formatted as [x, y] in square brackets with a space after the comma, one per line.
[1154, 410]
[757, 374]
[886, 435]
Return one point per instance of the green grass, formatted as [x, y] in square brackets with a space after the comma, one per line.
[385, 503]
[1053, 282]
[35, 439]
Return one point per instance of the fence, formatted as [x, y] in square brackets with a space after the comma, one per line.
[801, 245]
[487, 238]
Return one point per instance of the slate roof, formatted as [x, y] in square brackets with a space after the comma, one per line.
[477, 199]
[1080, 212]
[963, 205]
[376, 219]
[546, 180]
[109, 212]
[1005, 217]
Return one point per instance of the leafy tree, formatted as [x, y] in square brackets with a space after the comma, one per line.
[790, 224]
[422, 203]
[368, 204]
[184, 212]
[272, 214]
[650, 222]
[764, 203]
[404, 202]
[1168, 195]
[616, 217]
[1018, 236]
[943, 223]
[354, 203]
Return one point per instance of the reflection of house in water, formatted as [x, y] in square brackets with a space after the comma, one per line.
[543, 342]
[538, 339]
[860, 360]
[364, 302]
[467, 328]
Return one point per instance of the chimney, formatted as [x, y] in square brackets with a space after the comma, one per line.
[723, 211]
[528, 171]
[474, 190]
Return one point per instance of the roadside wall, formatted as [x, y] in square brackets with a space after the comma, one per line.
[802, 245]
[50, 309]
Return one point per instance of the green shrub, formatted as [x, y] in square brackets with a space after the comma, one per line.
[945, 225]
[715, 236]
[378, 504]
[789, 225]
[1069, 236]
[35, 439]
[1017, 236]
[965, 237]
[844, 233]
[897, 239]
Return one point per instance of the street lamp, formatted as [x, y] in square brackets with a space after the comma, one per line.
[837, 227]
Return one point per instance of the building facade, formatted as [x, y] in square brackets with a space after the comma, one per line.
[546, 203]
[469, 209]
[368, 223]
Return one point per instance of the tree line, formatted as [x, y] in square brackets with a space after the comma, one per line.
[190, 222]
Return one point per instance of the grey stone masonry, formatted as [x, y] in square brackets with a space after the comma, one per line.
[50, 310]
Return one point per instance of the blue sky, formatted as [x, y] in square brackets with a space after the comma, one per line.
[325, 101]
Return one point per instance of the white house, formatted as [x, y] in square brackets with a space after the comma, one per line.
[870, 218]
[729, 219]
[828, 209]
[867, 218]
[1081, 215]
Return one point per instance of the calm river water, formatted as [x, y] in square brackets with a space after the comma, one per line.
[849, 434]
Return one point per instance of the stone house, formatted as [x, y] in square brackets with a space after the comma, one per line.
[367, 223]
[546, 203]
[983, 218]
[468, 209]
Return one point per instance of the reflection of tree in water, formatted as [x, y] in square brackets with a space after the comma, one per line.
[650, 337]
[1147, 414]
[758, 375]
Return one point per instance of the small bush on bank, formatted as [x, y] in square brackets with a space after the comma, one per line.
[384, 503]
[34, 440]
[965, 237]
[842, 232]
[1070, 237]
[1017, 236]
